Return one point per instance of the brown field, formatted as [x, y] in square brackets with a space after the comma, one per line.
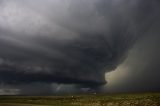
[147, 99]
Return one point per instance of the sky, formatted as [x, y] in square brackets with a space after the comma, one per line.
[79, 46]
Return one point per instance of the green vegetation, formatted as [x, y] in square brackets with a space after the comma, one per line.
[148, 99]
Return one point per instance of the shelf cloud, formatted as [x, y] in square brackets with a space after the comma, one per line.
[72, 42]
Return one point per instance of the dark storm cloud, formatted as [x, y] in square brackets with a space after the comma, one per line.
[68, 41]
[140, 71]
[142, 66]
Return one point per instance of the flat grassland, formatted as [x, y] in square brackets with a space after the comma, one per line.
[145, 99]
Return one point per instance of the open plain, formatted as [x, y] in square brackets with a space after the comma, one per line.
[145, 99]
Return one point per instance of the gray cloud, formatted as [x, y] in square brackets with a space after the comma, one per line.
[68, 41]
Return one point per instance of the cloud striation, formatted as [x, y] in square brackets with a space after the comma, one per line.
[68, 41]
